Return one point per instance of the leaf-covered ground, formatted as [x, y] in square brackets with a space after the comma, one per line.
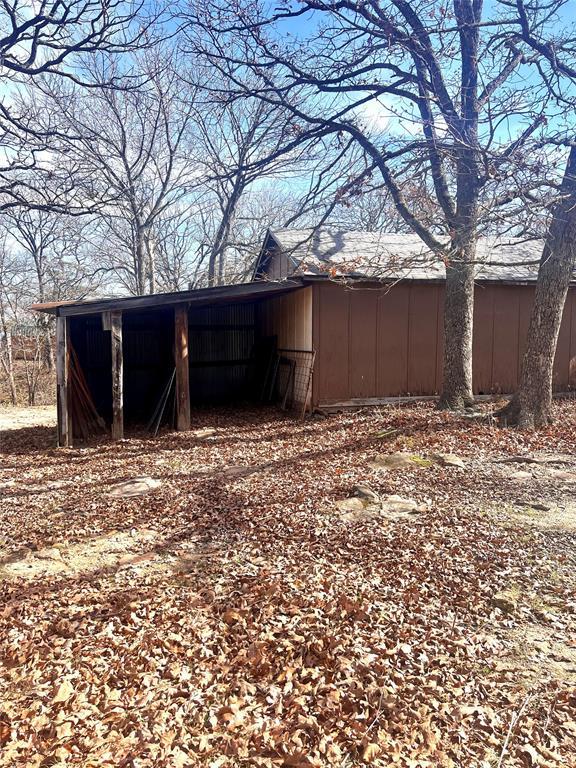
[231, 616]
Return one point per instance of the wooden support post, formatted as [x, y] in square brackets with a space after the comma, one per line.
[182, 369]
[117, 375]
[62, 382]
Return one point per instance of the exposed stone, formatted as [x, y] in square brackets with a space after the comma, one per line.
[138, 486]
[398, 460]
[506, 602]
[389, 507]
[353, 504]
[368, 513]
[366, 493]
[449, 460]
[395, 507]
[203, 433]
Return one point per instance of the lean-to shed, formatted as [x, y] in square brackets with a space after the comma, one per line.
[139, 360]
[329, 318]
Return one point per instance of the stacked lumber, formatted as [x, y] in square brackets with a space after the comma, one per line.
[86, 421]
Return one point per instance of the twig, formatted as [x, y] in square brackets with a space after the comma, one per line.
[513, 722]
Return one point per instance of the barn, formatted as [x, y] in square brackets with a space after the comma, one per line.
[330, 318]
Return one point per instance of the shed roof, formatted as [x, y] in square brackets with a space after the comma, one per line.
[334, 252]
[200, 296]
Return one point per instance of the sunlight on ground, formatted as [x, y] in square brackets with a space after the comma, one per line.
[115, 550]
[38, 416]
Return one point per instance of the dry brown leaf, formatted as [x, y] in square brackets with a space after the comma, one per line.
[371, 752]
[64, 692]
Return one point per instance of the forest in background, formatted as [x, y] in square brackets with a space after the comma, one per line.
[148, 148]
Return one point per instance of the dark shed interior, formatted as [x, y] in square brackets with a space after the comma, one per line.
[148, 342]
[230, 350]
[221, 342]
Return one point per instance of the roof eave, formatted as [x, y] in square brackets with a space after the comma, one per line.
[203, 295]
[308, 277]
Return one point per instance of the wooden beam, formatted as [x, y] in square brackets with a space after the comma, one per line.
[62, 383]
[117, 375]
[106, 321]
[182, 368]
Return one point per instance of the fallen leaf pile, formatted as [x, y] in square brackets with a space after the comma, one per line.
[196, 599]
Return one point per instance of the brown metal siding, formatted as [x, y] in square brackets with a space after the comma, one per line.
[332, 366]
[363, 309]
[289, 318]
[561, 373]
[278, 266]
[440, 344]
[482, 348]
[526, 295]
[422, 339]
[316, 343]
[505, 341]
[389, 341]
[392, 353]
[572, 363]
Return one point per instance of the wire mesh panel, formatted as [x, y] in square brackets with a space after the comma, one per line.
[294, 378]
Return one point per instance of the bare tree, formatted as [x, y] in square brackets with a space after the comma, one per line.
[42, 40]
[531, 406]
[461, 100]
[176, 237]
[369, 209]
[264, 206]
[135, 146]
[45, 258]
[47, 38]
[36, 233]
[21, 338]
[240, 146]
[8, 277]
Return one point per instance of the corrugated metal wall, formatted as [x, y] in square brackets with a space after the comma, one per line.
[148, 340]
[92, 345]
[221, 341]
[375, 342]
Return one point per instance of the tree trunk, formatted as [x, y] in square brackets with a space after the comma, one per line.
[459, 296]
[47, 349]
[150, 248]
[222, 237]
[458, 326]
[140, 258]
[7, 360]
[47, 353]
[531, 406]
[218, 250]
[459, 303]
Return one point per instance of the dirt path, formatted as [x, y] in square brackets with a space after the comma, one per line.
[17, 418]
